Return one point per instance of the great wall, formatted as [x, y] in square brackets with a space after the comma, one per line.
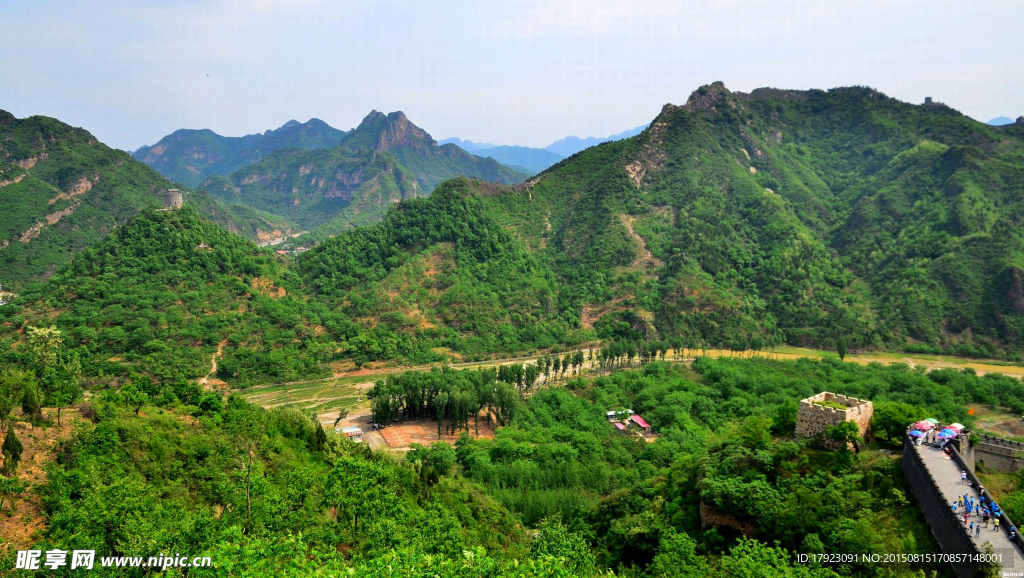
[815, 417]
[934, 477]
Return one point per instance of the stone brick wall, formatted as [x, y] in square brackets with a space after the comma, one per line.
[999, 454]
[945, 526]
[812, 419]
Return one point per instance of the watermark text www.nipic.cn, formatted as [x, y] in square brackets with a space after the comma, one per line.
[86, 559]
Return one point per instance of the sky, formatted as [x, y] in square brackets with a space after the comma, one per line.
[504, 71]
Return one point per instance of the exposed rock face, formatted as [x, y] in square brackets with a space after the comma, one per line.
[396, 131]
[715, 519]
[705, 97]
[1015, 294]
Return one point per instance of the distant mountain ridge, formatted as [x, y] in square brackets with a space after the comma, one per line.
[385, 159]
[534, 160]
[571, 145]
[191, 156]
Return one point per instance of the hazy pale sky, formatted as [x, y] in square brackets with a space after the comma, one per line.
[507, 72]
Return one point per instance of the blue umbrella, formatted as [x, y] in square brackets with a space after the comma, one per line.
[916, 433]
[948, 433]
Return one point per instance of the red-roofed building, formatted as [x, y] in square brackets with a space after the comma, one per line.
[619, 426]
[640, 423]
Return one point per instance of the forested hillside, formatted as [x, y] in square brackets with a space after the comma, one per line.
[191, 156]
[62, 191]
[809, 217]
[169, 290]
[162, 294]
[441, 266]
[721, 488]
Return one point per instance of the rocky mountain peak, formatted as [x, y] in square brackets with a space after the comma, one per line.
[386, 132]
[705, 97]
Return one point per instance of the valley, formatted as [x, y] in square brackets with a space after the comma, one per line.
[742, 253]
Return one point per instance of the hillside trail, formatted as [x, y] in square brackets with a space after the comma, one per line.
[645, 258]
[213, 363]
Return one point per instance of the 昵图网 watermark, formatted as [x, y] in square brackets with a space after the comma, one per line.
[86, 559]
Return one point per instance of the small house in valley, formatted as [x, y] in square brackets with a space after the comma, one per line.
[638, 422]
[353, 433]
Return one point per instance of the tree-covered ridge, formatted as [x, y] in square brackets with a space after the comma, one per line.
[446, 263]
[163, 293]
[170, 292]
[806, 216]
[192, 156]
[61, 191]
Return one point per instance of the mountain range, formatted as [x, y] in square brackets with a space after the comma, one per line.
[385, 159]
[735, 220]
[191, 156]
[1000, 121]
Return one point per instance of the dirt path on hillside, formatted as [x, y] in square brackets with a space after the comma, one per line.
[213, 364]
[645, 254]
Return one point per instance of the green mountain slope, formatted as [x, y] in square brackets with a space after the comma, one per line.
[812, 216]
[385, 159]
[170, 291]
[191, 156]
[162, 294]
[443, 266]
[61, 191]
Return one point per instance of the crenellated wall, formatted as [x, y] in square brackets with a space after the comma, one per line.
[813, 419]
[999, 454]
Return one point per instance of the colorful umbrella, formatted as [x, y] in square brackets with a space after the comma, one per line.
[923, 425]
[957, 426]
[916, 433]
[948, 434]
[933, 420]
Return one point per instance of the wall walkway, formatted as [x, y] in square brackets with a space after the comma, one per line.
[935, 480]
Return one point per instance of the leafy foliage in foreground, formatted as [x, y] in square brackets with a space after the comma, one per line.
[268, 493]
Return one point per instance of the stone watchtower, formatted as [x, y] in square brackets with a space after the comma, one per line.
[829, 409]
[172, 200]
